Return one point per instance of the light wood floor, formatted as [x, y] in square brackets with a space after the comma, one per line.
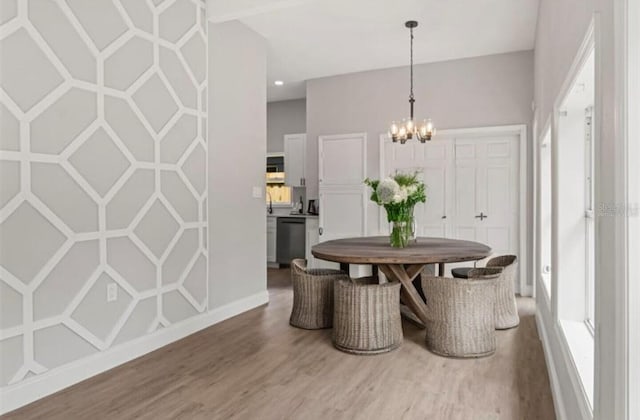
[255, 366]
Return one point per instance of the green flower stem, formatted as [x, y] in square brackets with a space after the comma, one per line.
[401, 219]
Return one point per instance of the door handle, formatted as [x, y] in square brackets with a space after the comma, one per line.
[481, 216]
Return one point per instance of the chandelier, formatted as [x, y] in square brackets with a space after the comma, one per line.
[408, 129]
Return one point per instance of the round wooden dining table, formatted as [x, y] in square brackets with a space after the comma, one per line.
[402, 264]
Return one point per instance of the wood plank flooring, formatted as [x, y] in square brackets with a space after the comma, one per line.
[256, 366]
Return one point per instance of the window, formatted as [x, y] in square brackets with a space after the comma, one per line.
[278, 195]
[576, 222]
[573, 218]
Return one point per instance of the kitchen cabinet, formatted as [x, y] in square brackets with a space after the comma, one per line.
[295, 155]
[272, 235]
[312, 238]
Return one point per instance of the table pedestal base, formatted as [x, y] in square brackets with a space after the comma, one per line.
[408, 314]
[405, 274]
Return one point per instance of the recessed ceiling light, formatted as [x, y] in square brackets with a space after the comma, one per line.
[278, 83]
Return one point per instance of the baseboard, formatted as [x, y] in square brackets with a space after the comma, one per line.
[32, 389]
[238, 306]
[558, 402]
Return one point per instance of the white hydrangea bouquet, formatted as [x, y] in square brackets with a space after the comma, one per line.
[398, 195]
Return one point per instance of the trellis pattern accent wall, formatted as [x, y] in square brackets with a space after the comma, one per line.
[103, 175]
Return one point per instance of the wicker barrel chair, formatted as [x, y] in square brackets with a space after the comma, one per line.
[460, 313]
[367, 316]
[312, 295]
[506, 311]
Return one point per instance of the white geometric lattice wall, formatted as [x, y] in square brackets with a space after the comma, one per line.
[103, 175]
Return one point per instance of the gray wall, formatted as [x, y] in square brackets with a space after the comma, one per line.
[103, 177]
[562, 25]
[474, 92]
[237, 133]
[285, 117]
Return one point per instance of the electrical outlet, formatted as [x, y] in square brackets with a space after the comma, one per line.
[257, 192]
[112, 292]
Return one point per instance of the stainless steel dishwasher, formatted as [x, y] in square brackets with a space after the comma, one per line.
[290, 242]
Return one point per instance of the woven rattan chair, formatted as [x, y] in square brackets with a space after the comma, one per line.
[460, 313]
[312, 295]
[506, 310]
[367, 316]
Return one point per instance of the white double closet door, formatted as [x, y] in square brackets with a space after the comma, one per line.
[472, 185]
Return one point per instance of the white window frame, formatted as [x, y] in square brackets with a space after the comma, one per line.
[624, 373]
[544, 255]
[589, 220]
[633, 223]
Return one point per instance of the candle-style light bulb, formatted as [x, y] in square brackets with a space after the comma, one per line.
[410, 127]
[430, 129]
[402, 133]
[422, 131]
[409, 124]
[393, 131]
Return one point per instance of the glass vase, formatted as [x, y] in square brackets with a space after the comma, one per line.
[402, 229]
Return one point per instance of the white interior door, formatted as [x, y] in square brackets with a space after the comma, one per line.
[341, 214]
[487, 192]
[433, 161]
[342, 159]
[342, 194]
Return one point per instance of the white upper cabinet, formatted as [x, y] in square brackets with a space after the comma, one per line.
[295, 155]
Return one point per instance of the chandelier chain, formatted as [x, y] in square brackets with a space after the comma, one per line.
[411, 66]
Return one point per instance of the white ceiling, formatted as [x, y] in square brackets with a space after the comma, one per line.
[317, 38]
